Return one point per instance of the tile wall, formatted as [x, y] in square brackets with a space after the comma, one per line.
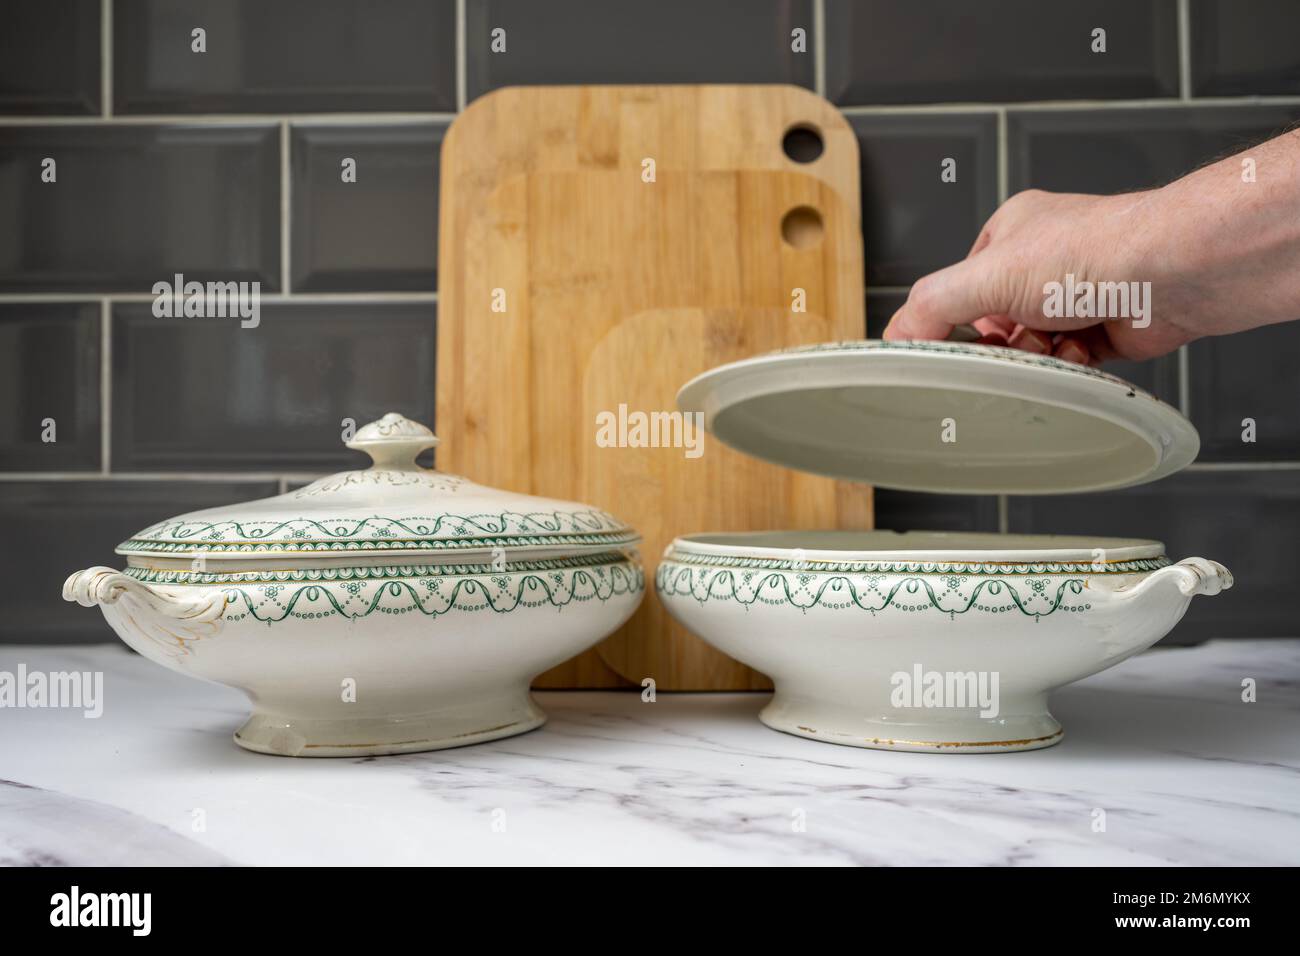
[224, 164]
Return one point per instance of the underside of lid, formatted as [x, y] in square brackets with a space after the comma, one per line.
[942, 417]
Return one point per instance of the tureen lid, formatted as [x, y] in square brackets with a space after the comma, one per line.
[394, 508]
[944, 417]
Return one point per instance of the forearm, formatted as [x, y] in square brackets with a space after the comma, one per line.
[1222, 245]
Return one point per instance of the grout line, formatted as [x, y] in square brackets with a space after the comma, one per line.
[232, 119]
[325, 298]
[1066, 105]
[819, 47]
[229, 476]
[906, 108]
[1184, 51]
[285, 207]
[1243, 466]
[398, 118]
[105, 386]
[1004, 177]
[462, 64]
[1184, 382]
[1004, 514]
[274, 298]
[106, 58]
[10, 297]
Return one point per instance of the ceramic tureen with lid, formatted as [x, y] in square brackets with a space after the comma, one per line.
[928, 641]
[383, 610]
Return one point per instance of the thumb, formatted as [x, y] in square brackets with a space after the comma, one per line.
[957, 295]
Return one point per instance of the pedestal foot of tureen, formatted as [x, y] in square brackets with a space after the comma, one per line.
[1024, 725]
[473, 723]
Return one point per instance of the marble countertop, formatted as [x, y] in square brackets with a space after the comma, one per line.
[1184, 770]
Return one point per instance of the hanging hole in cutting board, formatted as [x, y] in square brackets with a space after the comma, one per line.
[803, 143]
[802, 227]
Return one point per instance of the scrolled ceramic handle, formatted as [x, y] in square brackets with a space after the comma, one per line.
[138, 610]
[95, 586]
[1191, 576]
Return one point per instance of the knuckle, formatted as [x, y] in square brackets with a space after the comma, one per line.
[1016, 202]
[921, 298]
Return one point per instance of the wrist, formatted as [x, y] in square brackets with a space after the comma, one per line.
[1220, 246]
[1159, 242]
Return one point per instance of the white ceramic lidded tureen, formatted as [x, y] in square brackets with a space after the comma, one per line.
[928, 641]
[383, 610]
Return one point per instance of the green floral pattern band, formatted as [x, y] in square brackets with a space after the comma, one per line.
[1136, 566]
[434, 595]
[951, 594]
[966, 348]
[367, 573]
[443, 532]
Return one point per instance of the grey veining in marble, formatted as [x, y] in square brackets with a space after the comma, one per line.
[46, 828]
[1184, 770]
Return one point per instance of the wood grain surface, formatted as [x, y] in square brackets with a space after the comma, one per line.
[572, 286]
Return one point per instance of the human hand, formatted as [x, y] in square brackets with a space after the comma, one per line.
[1212, 253]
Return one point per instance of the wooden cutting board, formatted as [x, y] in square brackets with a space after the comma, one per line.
[616, 291]
[721, 490]
[567, 128]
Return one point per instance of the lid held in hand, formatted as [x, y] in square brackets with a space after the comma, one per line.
[942, 417]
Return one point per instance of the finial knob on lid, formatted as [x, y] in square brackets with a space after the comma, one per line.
[394, 441]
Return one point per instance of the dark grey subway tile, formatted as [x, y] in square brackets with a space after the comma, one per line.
[1245, 385]
[290, 56]
[370, 224]
[206, 394]
[133, 205]
[920, 511]
[1114, 151]
[59, 527]
[49, 58]
[946, 51]
[1245, 47]
[49, 379]
[1246, 520]
[913, 219]
[668, 41]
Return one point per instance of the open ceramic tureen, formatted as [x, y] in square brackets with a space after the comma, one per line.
[383, 610]
[931, 641]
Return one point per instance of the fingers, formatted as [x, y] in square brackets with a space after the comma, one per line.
[1087, 346]
[1002, 325]
[1073, 350]
[1030, 340]
[994, 329]
[1095, 340]
[952, 296]
[1090, 346]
